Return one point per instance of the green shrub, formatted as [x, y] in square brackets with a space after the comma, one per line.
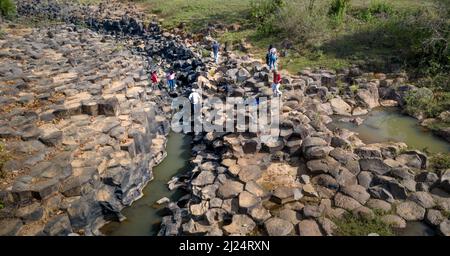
[305, 24]
[263, 14]
[440, 161]
[338, 10]
[7, 8]
[4, 157]
[351, 225]
[376, 9]
[422, 102]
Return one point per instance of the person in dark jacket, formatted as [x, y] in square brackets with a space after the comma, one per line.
[216, 48]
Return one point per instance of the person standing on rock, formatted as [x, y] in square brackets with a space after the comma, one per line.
[196, 102]
[216, 48]
[268, 54]
[276, 84]
[273, 59]
[154, 78]
[171, 80]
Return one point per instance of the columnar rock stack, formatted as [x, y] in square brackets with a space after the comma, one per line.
[79, 119]
[311, 176]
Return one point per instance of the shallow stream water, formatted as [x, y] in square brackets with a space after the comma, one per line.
[388, 124]
[144, 215]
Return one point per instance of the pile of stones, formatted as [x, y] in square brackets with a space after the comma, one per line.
[79, 119]
[312, 176]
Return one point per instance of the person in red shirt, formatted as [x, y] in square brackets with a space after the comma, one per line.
[154, 78]
[276, 84]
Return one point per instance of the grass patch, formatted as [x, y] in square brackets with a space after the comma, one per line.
[440, 161]
[1, 205]
[350, 225]
[8, 9]
[4, 157]
[199, 13]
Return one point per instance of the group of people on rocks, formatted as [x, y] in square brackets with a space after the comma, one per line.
[272, 62]
[195, 98]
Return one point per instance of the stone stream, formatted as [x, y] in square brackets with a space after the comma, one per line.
[86, 131]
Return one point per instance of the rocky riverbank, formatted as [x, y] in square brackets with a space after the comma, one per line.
[85, 131]
[79, 120]
[312, 176]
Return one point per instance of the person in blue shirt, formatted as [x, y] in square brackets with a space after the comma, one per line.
[216, 48]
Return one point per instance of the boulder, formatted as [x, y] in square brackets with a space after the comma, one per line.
[58, 225]
[289, 215]
[379, 205]
[248, 200]
[312, 211]
[10, 227]
[249, 173]
[259, 213]
[444, 227]
[230, 189]
[394, 221]
[345, 202]
[278, 227]
[340, 107]
[241, 224]
[309, 228]
[434, 217]
[357, 192]
[374, 165]
[204, 178]
[325, 165]
[283, 195]
[424, 199]
[410, 211]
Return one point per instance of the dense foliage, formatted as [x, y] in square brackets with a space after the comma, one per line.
[7, 8]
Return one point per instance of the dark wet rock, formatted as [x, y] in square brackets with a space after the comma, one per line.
[10, 227]
[379, 192]
[327, 181]
[58, 225]
[32, 212]
[374, 165]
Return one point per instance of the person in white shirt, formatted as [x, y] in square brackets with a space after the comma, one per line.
[196, 99]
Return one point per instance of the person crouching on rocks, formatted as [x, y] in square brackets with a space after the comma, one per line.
[154, 79]
[276, 84]
[216, 48]
[171, 80]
